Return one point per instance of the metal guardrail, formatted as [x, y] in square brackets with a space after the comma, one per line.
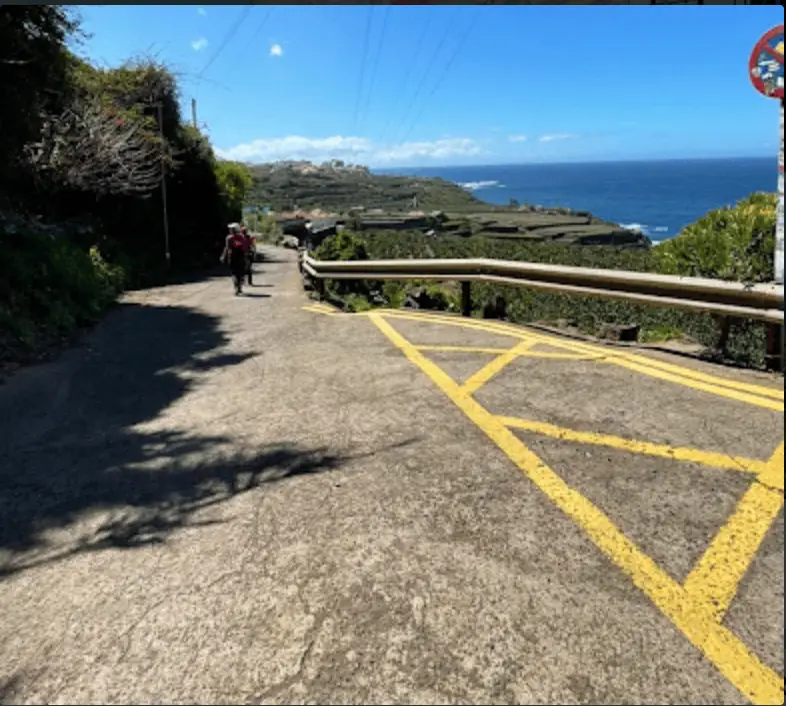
[759, 302]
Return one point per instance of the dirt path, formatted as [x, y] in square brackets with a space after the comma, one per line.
[239, 500]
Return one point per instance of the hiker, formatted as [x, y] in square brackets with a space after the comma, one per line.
[234, 255]
[250, 254]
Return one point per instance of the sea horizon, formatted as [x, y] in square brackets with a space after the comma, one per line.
[657, 197]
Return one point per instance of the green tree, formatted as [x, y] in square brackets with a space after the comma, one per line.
[34, 74]
[234, 181]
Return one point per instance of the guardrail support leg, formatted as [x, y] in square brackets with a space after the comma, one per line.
[320, 287]
[466, 299]
[774, 358]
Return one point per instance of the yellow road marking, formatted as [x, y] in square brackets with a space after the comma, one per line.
[758, 682]
[772, 475]
[559, 356]
[677, 453]
[480, 378]
[635, 363]
[702, 386]
[650, 362]
[532, 353]
[655, 363]
[462, 349]
[320, 310]
[714, 580]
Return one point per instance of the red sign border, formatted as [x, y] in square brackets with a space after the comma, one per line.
[758, 84]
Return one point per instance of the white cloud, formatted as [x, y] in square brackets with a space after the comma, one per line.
[437, 149]
[517, 138]
[276, 50]
[199, 44]
[350, 149]
[201, 11]
[557, 137]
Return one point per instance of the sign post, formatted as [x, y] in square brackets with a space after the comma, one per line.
[766, 74]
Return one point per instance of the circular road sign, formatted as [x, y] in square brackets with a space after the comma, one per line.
[766, 64]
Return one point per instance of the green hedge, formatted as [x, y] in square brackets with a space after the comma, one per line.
[50, 287]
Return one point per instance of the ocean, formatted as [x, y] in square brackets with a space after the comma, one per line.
[657, 198]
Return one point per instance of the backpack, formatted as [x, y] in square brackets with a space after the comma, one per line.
[237, 243]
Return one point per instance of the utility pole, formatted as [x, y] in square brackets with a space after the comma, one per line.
[160, 108]
[193, 112]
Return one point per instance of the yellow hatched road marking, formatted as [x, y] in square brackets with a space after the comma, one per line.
[321, 310]
[716, 577]
[714, 580]
[463, 349]
[650, 362]
[764, 402]
[676, 453]
[758, 682]
[772, 475]
[480, 378]
[636, 363]
[534, 353]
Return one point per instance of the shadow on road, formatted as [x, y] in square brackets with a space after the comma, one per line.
[72, 449]
[8, 689]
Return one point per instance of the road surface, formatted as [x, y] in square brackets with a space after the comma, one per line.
[219, 499]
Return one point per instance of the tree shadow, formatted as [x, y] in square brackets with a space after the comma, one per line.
[79, 436]
[8, 689]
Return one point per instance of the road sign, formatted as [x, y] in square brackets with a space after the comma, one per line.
[766, 64]
[766, 72]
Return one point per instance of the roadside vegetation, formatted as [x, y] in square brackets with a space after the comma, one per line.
[82, 154]
[735, 243]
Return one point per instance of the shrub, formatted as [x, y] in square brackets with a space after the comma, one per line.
[49, 287]
[729, 243]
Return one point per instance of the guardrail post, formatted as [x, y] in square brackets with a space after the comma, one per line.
[774, 357]
[466, 299]
[319, 285]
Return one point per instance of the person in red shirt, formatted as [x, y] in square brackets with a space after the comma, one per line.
[250, 248]
[234, 254]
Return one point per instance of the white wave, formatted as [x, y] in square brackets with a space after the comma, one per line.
[635, 226]
[661, 229]
[475, 185]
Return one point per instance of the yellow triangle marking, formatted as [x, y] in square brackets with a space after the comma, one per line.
[714, 580]
[676, 453]
[488, 371]
[721, 387]
[756, 681]
[462, 349]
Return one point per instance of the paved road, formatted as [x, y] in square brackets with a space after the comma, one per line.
[256, 500]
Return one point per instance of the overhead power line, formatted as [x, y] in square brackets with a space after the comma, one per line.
[436, 86]
[232, 30]
[410, 65]
[375, 63]
[428, 67]
[363, 66]
[259, 28]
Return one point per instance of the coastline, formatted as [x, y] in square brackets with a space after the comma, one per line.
[657, 197]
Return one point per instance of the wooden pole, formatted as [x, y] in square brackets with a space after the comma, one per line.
[163, 183]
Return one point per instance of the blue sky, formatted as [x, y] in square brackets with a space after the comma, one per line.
[437, 85]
